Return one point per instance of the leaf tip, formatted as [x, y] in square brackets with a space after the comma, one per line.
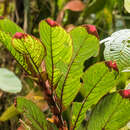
[125, 93]
[51, 22]
[112, 64]
[19, 35]
[91, 29]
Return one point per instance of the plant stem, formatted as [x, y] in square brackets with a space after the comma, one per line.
[52, 103]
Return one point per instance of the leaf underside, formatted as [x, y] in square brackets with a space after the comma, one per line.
[9, 82]
[118, 49]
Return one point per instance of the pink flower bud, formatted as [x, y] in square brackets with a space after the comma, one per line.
[125, 93]
[19, 35]
[51, 22]
[112, 65]
[91, 29]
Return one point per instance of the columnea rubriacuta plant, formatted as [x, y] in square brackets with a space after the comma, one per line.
[55, 61]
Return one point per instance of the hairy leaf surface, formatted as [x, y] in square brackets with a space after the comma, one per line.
[84, 46]
[58, 44]
[32, 113]
[111, 113]
[97, 81]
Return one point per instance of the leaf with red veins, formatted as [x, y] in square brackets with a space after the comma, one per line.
[19, 35]
[112, 64]
[125, 93]
[91, 29]
[51, 22]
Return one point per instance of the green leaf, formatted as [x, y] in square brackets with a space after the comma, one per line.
[127, 5]
[32, 49]
[58, 44]
[111, 113]
[35, 48]
[6, 40]
[7, 25]
[32, 113]
[9, 82]
[74, 110]
[84, 47]
[97, 81]
[9, 113]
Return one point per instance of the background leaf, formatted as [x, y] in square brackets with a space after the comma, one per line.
[111, 113]
[9, 113]
[9, 82]
[75, 5]
[97, 81]
[127, 5]
[9, 26]
[58, 44]
[84, 47]
[32, 113]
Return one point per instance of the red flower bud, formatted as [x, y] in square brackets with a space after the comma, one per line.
[125, 93]
[112, 65]
[91, 29]
[19, 35]
[51, 22]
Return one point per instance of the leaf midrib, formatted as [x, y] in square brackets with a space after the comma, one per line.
[52, 62]
[86, 99]
[69, 67]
